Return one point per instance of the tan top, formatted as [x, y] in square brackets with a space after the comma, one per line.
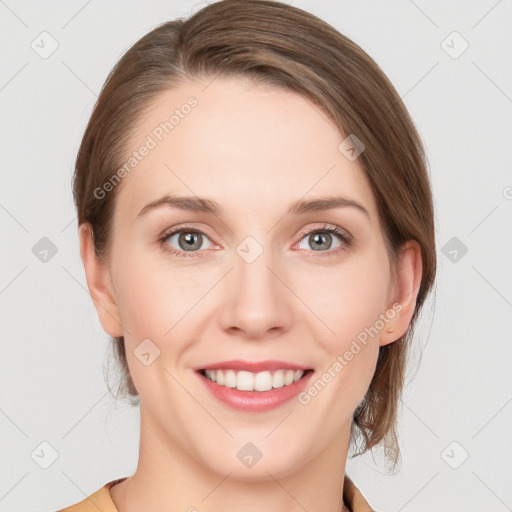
[101, 500]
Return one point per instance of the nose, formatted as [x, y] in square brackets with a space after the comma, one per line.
[257, 301]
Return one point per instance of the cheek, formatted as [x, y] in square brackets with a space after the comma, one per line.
[155, 298]
[350, 301]
[349, 298]
[153, 295]
[142, 304]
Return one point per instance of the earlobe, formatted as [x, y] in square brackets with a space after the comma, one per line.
[405, 292]
[99, 283]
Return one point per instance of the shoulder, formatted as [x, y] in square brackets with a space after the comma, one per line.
[99, 500]
[353, 498]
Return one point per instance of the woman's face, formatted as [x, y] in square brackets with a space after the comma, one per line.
[253, 286]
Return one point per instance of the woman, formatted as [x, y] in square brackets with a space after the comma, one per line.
[257, 231]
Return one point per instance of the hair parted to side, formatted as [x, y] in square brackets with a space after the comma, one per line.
[276, 44]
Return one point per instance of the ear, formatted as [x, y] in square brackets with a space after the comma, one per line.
[99, 283]
[404, 292]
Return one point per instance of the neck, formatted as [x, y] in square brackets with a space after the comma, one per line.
[168, 477]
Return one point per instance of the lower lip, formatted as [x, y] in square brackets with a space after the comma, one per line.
[256, 401]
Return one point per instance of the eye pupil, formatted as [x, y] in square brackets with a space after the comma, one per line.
[190, 240]
[318, 237]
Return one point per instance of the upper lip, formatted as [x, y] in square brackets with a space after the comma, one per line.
[253, 366]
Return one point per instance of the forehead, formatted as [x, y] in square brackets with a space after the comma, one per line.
[243, 144]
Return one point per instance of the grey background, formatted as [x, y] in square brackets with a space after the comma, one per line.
[53, 348]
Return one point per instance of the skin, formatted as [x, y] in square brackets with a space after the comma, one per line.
[254, 150]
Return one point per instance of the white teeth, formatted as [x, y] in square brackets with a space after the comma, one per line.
[245, 381]
[278, 379]
[248, 381]
[263, 381]
[229, 379]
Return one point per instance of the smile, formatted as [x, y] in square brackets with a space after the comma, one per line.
[249, 381]
[254, 387]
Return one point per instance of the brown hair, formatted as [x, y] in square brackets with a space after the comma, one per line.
[284, 46]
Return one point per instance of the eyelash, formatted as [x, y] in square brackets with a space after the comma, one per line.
[345, 238]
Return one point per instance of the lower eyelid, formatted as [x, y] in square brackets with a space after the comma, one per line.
[343, 246]
[345, 241]
[165, 238]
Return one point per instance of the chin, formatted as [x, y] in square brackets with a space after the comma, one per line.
[247, 461]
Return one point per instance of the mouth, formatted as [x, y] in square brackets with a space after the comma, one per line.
[258, 389]
[249, 381]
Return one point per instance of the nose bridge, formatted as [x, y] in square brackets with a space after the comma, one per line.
[252, 266]
[256, 296]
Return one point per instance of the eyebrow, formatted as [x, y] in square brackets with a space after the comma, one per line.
[205, 205]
